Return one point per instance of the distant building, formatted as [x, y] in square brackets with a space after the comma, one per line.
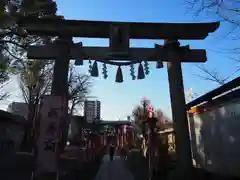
[92, 110]
[18, 108]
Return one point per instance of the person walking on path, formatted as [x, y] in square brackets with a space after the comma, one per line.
[111, 152]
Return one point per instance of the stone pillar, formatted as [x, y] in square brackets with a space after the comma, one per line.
[61, 67]
[60, 89]
[60, 80]
[179, 114]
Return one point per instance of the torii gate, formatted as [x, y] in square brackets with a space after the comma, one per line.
[120, 33]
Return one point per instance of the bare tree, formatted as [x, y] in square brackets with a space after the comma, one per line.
[79, 86]
[163, 122]
[227, 11]
[35, 82]
[214, 75]
[14, 40]
[140, 114]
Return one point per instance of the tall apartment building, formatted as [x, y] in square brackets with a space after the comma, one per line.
[92, 110]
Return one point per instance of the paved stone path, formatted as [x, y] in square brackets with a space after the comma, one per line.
[113, 170]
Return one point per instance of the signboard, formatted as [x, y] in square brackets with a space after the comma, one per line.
[47, 143]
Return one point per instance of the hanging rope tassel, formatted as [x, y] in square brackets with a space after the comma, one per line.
[90, 67]
[104, 71]
[146, 67]
[94, 72]
[119, 76]
[132, 72]
[159, 65]
[141, 74]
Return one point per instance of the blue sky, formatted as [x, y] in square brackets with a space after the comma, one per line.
[118, 100]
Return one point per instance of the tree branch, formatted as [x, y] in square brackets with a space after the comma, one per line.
[79, 87]
[211, 75]
[214, 76]
[14, 43]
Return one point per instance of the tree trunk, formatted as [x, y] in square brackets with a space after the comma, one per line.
[32, 106]
[28, 138]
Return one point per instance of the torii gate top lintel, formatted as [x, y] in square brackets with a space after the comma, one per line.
[101, 29]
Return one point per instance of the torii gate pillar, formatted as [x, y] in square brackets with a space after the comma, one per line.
[59, 89]
[179, 115]
[61, 67]
[60, 80]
